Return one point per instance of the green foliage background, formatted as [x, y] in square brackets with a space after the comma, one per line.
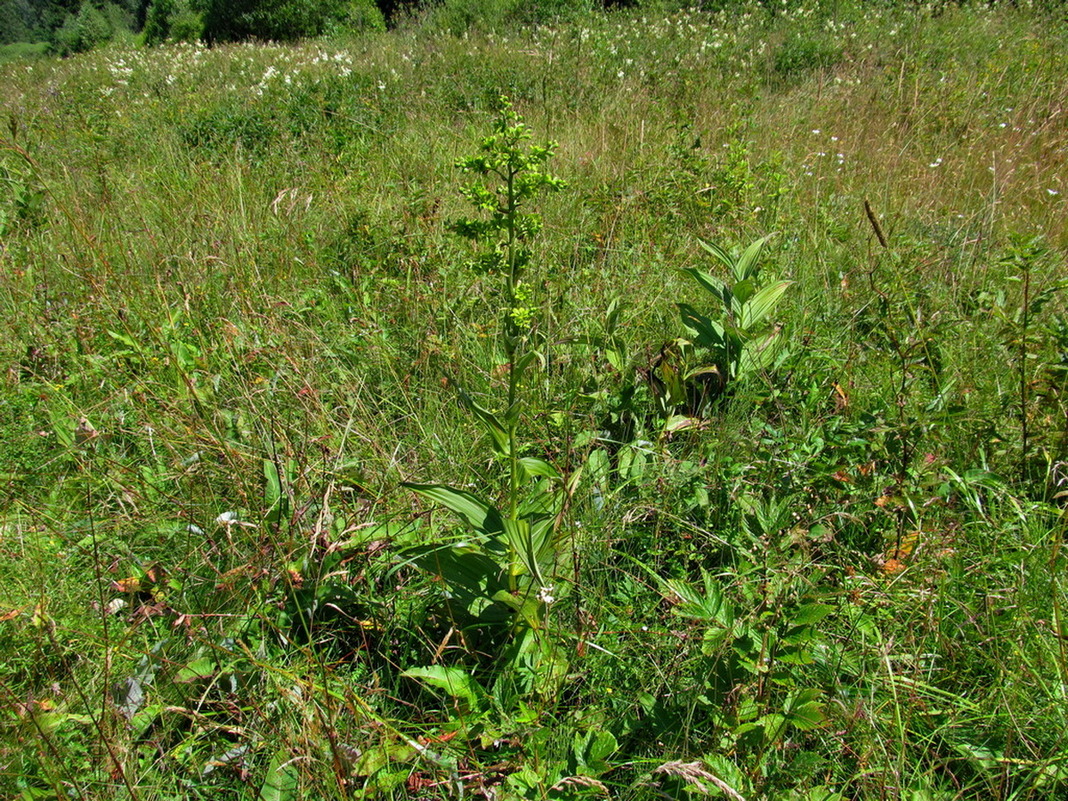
[236, 324]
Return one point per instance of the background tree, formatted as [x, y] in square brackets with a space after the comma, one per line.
[234, 20]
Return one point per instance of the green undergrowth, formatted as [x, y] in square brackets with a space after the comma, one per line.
[733, 467]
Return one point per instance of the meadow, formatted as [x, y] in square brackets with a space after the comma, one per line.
[652, 405]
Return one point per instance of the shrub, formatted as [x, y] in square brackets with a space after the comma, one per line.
[458, 16]
[233, 20]
[801, 55]
[172, 21]
[89, 28]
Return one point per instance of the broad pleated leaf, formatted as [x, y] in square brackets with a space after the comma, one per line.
[761, 304]
[718, 252]
[706, 332]
[530, 543]
[470, 573]
[746, 267]
[473, 510]
[715, 286]
[498, 434]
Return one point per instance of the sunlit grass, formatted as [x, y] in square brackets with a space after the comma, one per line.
[232, 313]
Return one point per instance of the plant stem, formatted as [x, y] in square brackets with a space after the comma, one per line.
[1026, 266]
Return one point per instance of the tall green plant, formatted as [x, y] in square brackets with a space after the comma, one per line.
[506, 572]
[1020, 335]
[733, 340]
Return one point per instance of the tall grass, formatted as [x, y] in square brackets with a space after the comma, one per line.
[231, 306]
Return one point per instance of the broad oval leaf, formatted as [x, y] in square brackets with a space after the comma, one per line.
[455, 682]
[539, 467]
[282, 779]
[707, 333]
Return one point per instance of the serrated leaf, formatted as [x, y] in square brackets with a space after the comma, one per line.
[807, 717]
[774, 725]
[808, 614]
[202, 668]
[803, 711]
[708, 604]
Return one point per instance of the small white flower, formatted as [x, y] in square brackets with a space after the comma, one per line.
[1053, 191]
[545, 595]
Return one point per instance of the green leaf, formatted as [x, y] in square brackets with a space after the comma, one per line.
[803, 710]
[590, 752]
[757, 355]
[498, 434]
[457, 683]
[530, 543]
[123, 339]
[62, 426]
[706, 332]
[282, 779]
[473, 510]
[808, 614]
[521, 365]
[774, 725]
[527, 607]
[468, 570]
[742, 291]
[539, 467]
[718, 252]
[202, 668]
[712, 284]
[273, 498]
[746, 266]
[761, 305]
[708, 605]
